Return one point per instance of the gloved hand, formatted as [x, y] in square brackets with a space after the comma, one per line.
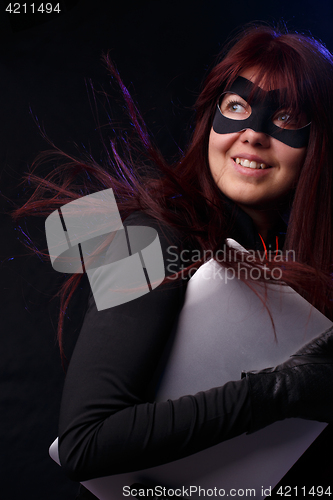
[301, 387]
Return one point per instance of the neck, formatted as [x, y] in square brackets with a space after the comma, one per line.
[264, 220]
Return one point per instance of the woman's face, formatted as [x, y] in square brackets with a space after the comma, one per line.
[231, 154]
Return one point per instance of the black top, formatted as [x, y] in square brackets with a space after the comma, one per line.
[109, 423]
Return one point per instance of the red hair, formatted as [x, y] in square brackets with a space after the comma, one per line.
[185, 196]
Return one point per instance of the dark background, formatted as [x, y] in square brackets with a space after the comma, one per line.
[163, 50]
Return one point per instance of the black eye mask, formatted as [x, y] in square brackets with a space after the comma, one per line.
[260, 120]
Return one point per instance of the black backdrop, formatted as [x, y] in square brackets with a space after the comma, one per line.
[163, 49]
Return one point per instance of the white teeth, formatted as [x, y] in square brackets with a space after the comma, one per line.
[250, 164]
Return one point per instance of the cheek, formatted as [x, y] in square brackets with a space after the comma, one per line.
[218, 146]
[293, 161]
[221, 142]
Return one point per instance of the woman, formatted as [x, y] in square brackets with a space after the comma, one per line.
[235, 180]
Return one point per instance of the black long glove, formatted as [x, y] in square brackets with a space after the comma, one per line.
[300, 387]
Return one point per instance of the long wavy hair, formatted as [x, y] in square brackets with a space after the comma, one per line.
[184, 195]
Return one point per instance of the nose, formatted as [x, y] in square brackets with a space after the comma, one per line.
[255, 138]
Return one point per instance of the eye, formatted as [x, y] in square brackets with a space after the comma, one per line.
[284, 118]
[234, 107]
[290, 121]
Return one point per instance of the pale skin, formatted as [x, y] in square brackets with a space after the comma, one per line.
[257, 192]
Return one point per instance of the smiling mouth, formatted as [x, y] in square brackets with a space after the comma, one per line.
[251, 164]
